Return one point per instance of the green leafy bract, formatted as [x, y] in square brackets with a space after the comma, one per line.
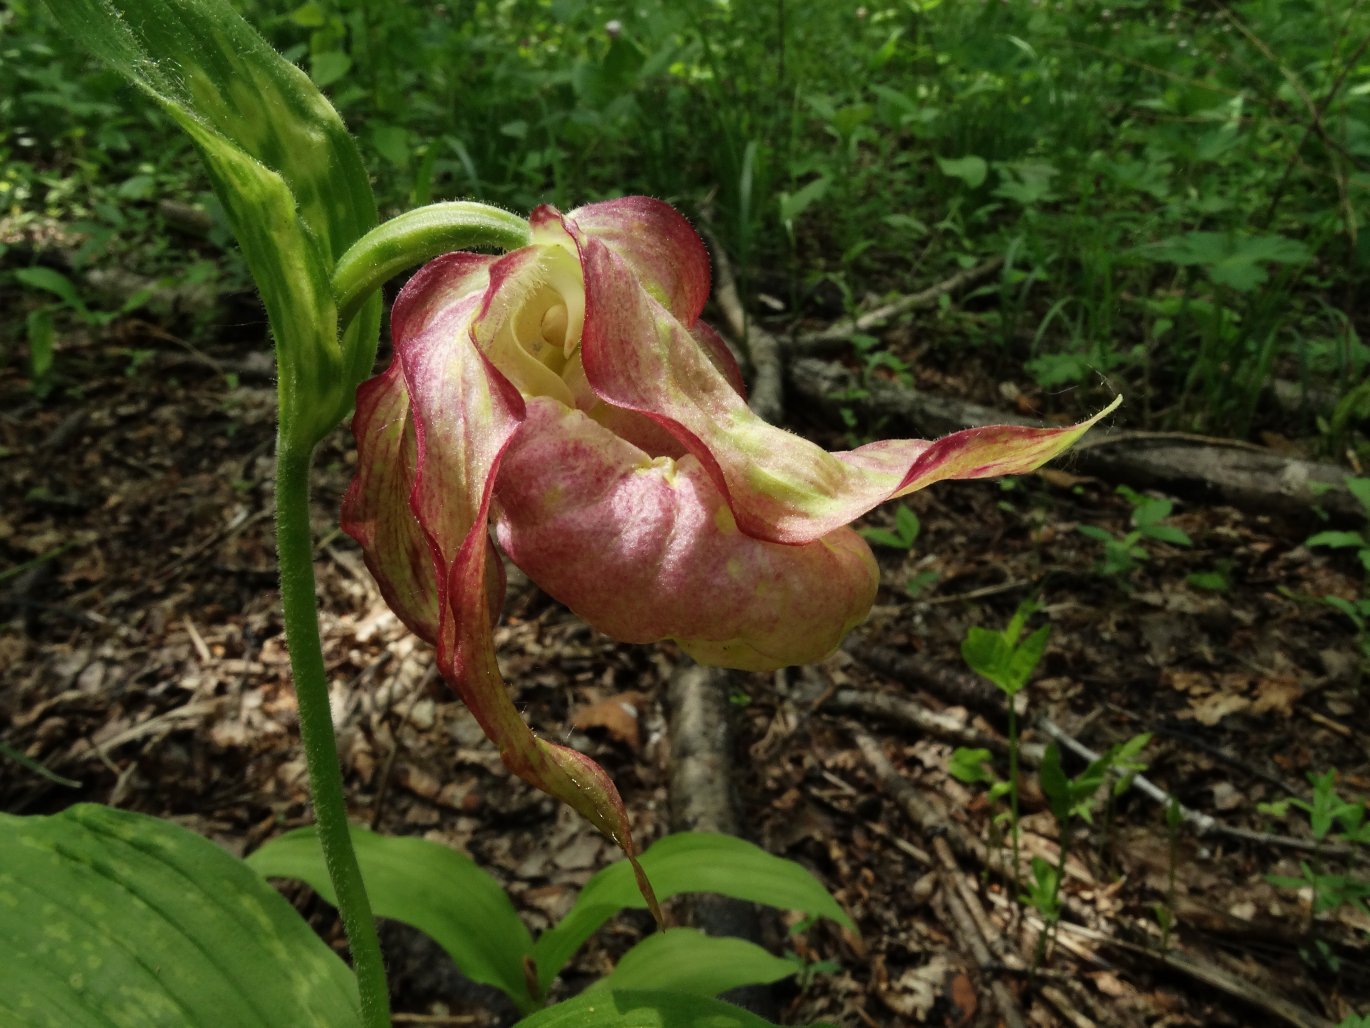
[281, 162]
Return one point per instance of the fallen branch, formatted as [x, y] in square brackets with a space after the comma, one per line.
[1203, 824]
[835, 337]
[703, 798]
[1211, 975]
[958, 687]
[923, 814]
[912, 714]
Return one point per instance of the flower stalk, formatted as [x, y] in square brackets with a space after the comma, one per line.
[295, 554]
[414, 237]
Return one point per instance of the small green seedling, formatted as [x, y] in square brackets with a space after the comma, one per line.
[1343, 821]
[1125, 554]
[1006, 659]
[1216, 580]
[1358, 609]
[40, 322]
[1042, 891]
[919, 583]
[976, 767]
[1070, 798]
[1326, 811]
[1165, 912]
[1360, 489]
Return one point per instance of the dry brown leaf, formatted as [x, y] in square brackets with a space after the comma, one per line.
[1196, 683]
[1063, 479]
[1111, 985]
[961, 994]
[1226, 797]
[617, 715]
[1278, 693]
[1212, 709]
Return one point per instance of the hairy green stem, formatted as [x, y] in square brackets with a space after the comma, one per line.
[1013, 776]
[295, 552]
[414, 237]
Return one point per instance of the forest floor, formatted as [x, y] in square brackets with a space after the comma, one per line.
[143, 658]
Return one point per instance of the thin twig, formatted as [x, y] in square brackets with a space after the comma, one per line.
[839, 335]
[906, 712]
[909, 712]
[1212, 975]
[1203, 824]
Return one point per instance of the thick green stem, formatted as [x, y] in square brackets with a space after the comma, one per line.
[412, 238]
[295, 551]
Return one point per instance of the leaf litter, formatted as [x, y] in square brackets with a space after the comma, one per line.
[144, 659]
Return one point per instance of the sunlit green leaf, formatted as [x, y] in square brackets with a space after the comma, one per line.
[618, 1009]
[1230, 258]
[437, 890]
[282, 164]
[109, 918]
[688, 862]
[970, 169]
[687, 960]
[54, 282]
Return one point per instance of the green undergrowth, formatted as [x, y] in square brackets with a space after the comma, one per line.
[1176, 189]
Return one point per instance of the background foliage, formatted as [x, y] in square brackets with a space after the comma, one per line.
[1177, 188]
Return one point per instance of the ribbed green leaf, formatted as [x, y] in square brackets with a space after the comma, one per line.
[688, 862]
[109, 918]
[687, 960]
[643, 1010]
[281, 162]
[439, 891]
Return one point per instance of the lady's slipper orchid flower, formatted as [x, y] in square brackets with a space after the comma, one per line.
[568, 393]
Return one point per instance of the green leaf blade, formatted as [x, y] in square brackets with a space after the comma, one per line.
[687, 960]
[282, 163]
[437, 890]
[114, 918]
[1337, 540]
[625, 1009]
[688, 862]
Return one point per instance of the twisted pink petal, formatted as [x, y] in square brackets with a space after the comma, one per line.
[647, 550]
[569, 390]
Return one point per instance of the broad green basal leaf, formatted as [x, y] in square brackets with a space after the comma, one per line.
[109, 918]
[437, 890]
[687, 960]
[688, 862]
[643, 1010]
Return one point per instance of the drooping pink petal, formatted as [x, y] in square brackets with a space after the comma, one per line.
[466, 657]
[779, 486]
[442, 417]
[375, 509]
[462, 414]
[647, 549]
